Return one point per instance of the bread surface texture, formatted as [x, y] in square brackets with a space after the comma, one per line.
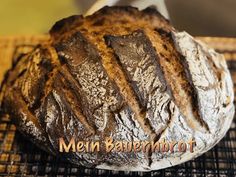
[123, 74]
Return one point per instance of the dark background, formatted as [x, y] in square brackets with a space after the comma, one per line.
[204, 17]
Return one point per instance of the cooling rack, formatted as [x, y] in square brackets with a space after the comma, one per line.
[19, 157]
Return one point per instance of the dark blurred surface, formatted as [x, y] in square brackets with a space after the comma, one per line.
[204, 17]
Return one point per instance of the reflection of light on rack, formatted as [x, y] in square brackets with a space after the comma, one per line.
[141, 4]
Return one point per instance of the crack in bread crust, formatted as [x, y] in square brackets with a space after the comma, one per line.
[182, 91]
[140, 64]
[208, 87]
[83, 62]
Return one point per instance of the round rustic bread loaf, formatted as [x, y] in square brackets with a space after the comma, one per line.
[124, 74]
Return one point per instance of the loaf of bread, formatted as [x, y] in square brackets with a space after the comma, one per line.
[122, 74]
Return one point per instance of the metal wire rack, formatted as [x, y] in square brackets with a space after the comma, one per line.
[19, 157]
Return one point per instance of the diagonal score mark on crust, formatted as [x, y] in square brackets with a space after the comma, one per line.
[138, 60]
[61, 69]
[182, 90]
[72, 98]
[208, 86]
[46, 89]
[48, 85]
[99, 24]
[85, 69]
[117, 76]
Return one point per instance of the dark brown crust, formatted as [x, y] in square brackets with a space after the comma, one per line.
[63, 114]
[15, 106]
[120, 45]
[131, 50]
[68, 52]
[69, 89]
[69, 42]
[103, 18]
[80, 84]
[153, 12]
[65, 25]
